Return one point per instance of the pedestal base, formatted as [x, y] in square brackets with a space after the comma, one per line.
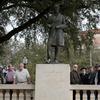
[52, 82]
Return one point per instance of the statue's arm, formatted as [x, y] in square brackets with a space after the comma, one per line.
[49, 22]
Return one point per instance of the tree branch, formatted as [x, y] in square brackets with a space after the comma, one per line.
[16, 5]
[27, 24]
[24, 26]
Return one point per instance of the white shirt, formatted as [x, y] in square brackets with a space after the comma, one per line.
[22, 76]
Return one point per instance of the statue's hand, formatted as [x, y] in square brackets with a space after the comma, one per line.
[49, 25]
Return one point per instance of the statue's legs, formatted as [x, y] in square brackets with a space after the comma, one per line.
[52, 53]
[49, 51]
[56, 53]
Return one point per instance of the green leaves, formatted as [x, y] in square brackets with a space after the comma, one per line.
[38, 10]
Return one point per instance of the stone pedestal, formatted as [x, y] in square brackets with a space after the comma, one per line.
[52, 82]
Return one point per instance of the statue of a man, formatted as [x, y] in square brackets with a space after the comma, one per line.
[56, 33]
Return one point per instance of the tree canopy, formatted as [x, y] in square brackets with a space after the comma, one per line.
[29, 17]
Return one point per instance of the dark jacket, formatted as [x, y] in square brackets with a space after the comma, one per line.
[75, 77]
[91, 77]
[98, 82]
[94, 76]
[84, 78]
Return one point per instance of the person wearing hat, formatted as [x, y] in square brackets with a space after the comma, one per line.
[84, 76]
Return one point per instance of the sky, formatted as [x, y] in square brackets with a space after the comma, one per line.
[9, 27]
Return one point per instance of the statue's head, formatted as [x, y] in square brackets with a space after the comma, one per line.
[56, 8]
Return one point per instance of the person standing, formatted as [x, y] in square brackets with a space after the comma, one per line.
[74, 75]
[1, 75]
[91, 76]
[25, 62]
[10, 75]
[84, 76]
[22, 75]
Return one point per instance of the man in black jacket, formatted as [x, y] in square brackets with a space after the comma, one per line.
[84, 76]
[98, 75]
[74, 75]
[91, 76]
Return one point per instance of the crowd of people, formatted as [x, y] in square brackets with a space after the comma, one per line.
[83, 75]
[10, 75]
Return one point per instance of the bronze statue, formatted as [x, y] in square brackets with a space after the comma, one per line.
[56, 34]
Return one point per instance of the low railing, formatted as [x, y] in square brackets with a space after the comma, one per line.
[16, 92]
[85, 92]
